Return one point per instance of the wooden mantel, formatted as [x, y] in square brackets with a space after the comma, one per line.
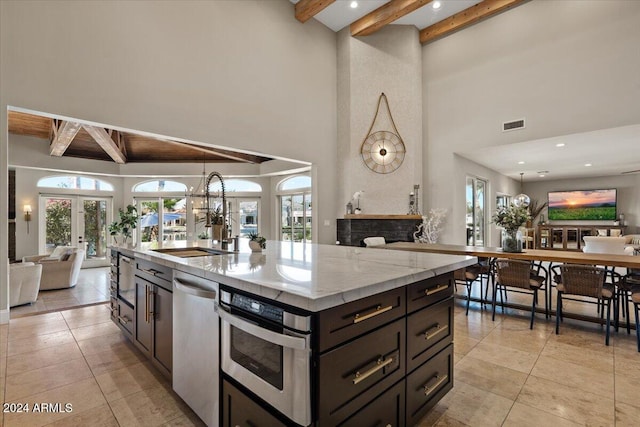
[381, 216]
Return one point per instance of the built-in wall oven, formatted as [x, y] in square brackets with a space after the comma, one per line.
[267, 349]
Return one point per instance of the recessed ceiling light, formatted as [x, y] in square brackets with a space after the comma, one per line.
[354, 4]
[521, 162]
[560, 144]
[542, 175]
[587, 164]
[436, 5]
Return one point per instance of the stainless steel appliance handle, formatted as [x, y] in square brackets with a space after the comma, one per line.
[193, 289]
[267, 335]
[125, 259]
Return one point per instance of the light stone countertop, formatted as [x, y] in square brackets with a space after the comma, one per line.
[309, 276]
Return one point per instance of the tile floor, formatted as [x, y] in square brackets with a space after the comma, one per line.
[505, 374]
[92, 288]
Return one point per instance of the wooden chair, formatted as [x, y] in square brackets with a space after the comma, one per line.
[586, 281]
[516, 274]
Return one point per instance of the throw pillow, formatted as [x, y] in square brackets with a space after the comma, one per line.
[66, 255]
[635, 241]
[602, 232]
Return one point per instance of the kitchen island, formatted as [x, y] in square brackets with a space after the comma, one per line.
[374, 330]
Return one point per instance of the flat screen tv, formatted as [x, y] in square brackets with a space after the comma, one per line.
[582, 205]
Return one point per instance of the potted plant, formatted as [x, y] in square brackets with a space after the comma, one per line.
[511, 218]
[217, 223]
[128, 222]
[257, 242]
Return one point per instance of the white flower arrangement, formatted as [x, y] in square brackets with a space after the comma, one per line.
[431, 226]
[511, 218]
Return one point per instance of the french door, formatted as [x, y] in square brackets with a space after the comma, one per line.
[476, 191]
[79, 221]
[296, 217]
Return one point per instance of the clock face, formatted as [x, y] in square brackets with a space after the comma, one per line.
[383, 151]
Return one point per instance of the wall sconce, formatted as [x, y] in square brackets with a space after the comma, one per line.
[27, 215]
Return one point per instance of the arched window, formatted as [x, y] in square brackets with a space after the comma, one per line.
[236, 185]
[294, 202]
[74, 183]
[159, 185]
[295, 183]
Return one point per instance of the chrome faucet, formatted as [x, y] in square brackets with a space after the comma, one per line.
[223, 239]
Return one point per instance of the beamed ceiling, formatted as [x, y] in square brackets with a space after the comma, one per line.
[73, 139]
[391, 11]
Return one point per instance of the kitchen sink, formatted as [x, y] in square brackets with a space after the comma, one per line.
[191, 252]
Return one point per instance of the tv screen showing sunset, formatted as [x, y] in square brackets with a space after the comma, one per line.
[582, 205]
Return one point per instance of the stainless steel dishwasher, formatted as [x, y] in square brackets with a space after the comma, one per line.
[196, 332]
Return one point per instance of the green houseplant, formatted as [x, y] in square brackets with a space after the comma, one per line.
[257, 242]
[511, 218]
[128, 222]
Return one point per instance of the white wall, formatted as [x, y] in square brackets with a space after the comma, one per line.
[388, 61]
[577, 72]
[242, 74]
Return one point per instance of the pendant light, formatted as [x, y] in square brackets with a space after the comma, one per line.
[521, 200]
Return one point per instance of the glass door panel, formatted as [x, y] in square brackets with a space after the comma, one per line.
[174, 219]
[148, 214]
[475, 211]
[58, 222]
[248, 213]
[93, 230]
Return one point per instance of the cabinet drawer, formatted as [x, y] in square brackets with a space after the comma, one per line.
[154, 273]
[353, 374]
[429, 331]
[386, 411]
[426, 292]
[113, 307]
[348, 321]
[125, 318]
[428, 384]
[238, 410]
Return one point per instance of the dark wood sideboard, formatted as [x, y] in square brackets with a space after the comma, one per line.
[353, 229]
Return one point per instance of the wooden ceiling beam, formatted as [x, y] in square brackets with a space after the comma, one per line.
[307, 9]
[466, 18]
[63, 133]
[105, 139]
[385, 14]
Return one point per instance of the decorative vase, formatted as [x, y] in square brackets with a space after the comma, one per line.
[511, 241]
[255, 246]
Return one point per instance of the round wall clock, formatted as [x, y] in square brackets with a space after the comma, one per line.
[383, 151]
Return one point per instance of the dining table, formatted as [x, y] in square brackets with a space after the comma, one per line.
[552, 256]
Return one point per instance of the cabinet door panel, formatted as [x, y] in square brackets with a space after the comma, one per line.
[163, 327]
[238, 410]
[353, 374]
[386, 411]
[428, 384]
[429, 331]
[142, 333]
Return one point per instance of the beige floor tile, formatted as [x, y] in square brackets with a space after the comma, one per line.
[190, 420]
[627, 415]
[111, 360]
[114, 342]
[472, 406]
[581, 335]
[78, 318]
[39, 319]
[43, 379]
[474, 326]
[525, 416]
[3, 380]
[38, 342]
[28, 310]
[565, 401]
[487, 376]
[596, 359]
[151, 407]
[88, 312]
[43, 358]
[531, 341]
[129, 380]
[517, 360]
[627, 387]
[92, 331]
[82, 396]
[54, 294]
[581, 377]
[463, 344]
[100, 416]
[61, 304]
[21, 331]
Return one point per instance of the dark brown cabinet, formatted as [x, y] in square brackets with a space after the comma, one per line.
[238, 410]
[386, 410]
[154, 315]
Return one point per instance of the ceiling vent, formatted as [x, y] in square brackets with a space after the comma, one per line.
[513, 125]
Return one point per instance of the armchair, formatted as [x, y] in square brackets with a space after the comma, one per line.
[59, 272]
[24, 283]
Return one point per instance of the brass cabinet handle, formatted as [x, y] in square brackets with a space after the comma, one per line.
[437, 289]
[123, 319]
[380, 364]
[152, 272]
[439, 380]
[379, 310]
[437, 329]
[146, 304]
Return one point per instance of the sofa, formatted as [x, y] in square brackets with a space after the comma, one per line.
[607, 245]
[24, 283]
[60, 269]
